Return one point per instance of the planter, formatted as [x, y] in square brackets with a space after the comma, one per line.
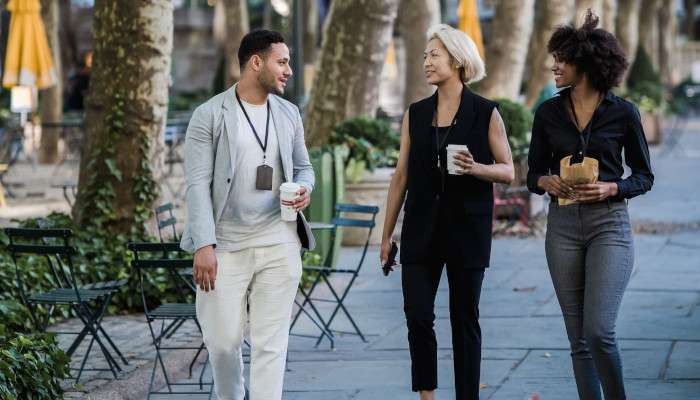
[372, 190]
[652, 127]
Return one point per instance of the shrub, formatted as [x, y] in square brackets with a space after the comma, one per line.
[642, 70]
[31, 366]
[371, 143]
[31, 363]
[518, 122]
[644, 87]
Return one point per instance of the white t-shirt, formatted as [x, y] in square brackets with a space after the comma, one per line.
[252, 217]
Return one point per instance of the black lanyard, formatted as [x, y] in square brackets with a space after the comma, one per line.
[585, 136]
[440, 144]
[267, 126]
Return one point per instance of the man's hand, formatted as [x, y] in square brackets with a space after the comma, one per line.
[302, 200]
[593, 192]
[554, 185]
[205, 267]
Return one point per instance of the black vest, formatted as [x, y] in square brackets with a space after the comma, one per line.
[453, 225]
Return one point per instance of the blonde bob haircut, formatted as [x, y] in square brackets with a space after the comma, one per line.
[463, 51]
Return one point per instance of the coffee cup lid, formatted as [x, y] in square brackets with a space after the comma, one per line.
[457, 146]
[290, 187]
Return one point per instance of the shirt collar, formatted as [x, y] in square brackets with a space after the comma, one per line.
[608, 97]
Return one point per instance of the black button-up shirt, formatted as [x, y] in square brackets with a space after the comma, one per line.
[615, 126]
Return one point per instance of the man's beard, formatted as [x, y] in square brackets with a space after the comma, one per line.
[268, 82]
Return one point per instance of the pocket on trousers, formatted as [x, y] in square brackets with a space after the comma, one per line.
[294, 267]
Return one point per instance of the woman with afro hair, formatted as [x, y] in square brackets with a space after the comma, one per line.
[589, 240]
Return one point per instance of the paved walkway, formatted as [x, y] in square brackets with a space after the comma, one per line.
[525, 346]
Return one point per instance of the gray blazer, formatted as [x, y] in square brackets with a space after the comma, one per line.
[209, 164]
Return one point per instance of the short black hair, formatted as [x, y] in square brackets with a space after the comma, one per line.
[258, 42]
[594, 51]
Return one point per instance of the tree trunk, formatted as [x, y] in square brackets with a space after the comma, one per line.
[689, 23]
[549, 14]
[125, 115]
[237, 25]
[506, 52]
[267, 14]
[649, 29]
[609, 15]
[310, 31]
[627, 27]
[51, 98]
[582, 7]
[355, 41]
[413, 20]
[668, 26]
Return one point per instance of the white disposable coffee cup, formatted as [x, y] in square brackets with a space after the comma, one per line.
[452, 150]
[288, 192]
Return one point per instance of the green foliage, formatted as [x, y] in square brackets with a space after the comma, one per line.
[309, 259]
[644, 87]
[15, 317]
[31, 366]
[31, 363]
[648, 96]
[188, 101]
[371, 143]
[642, 70]
[103, 231]
[518, 122]
[4, 107]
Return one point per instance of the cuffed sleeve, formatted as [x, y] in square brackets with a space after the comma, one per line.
[303, 170]
[637, 158]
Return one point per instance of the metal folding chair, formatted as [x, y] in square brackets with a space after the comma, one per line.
[166, 221]
[324, 273]
[151, 259]
[88, 302]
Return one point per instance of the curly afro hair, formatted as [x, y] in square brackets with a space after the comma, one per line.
[594, 51]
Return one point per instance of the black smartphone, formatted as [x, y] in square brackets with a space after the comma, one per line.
[387, 267]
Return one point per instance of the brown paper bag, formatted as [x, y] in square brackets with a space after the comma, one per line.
[577, 174]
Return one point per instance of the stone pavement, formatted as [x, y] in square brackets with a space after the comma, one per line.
[525, 346]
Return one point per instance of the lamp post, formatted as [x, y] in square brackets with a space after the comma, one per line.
[23, 101]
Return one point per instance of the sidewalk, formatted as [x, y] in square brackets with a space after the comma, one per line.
[525, 349]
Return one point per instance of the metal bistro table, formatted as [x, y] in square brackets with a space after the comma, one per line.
[318, 319]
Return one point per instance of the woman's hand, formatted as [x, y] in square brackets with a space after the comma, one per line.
[464, 160]
[593, 192]
[555, 186]
[384, 252]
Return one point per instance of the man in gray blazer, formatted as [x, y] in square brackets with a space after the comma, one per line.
[241, 145]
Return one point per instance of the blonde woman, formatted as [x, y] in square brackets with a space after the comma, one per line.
[447, 213]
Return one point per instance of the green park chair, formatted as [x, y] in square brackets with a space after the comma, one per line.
[152, 263]
[88, 302]
[324, 273]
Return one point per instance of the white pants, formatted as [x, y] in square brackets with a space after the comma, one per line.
[272, 275]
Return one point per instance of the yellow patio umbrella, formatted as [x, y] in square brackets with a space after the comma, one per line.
[27, 58]
[469, 22]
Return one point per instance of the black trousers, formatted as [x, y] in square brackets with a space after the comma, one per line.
[420, 284]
